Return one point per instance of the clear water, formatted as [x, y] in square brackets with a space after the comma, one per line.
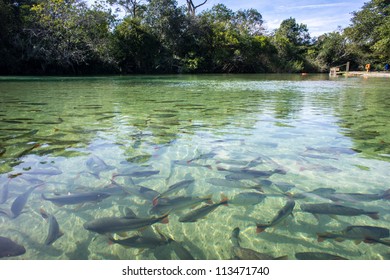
[324, 133]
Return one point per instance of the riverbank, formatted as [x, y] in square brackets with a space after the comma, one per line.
[366, 74]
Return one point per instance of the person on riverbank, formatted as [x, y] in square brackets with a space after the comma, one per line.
[386, 67]
[368, 66]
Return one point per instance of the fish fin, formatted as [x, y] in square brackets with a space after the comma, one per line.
[155, 201]
[357, 242]
[164, 219]
[335, 217]
[208, 199]
[320, 237]
[317, 218]
[258, 188]
[260, 228]
[129, 214]
[386, 195]
[340, 239]
[77, 207]
[122, 234]
[373, 215]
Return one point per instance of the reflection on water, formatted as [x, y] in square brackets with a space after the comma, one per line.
[80, 155]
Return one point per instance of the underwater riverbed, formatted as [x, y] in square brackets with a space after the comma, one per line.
[202, 167]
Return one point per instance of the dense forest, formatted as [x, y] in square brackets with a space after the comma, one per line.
[158, 36]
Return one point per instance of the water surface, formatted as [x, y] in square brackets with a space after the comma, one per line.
[72, 135]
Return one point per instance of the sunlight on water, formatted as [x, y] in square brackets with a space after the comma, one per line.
[81, 149]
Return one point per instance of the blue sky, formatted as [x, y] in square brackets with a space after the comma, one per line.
[320, 16]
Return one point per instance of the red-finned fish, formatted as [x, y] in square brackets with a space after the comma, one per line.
[173, 189]
[335, 209]
[77, 198]
[54, 228]
[201, 212]
[18, 204]
[122, 224]
[241, 253]
[317, 256]
[357, 233]
[280, 216]
[165, 205]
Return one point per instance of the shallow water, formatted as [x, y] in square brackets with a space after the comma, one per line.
[71, 135]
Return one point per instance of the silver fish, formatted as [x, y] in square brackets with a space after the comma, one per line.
[247, 198]
[181, 252]
[241, 253]
[335, 209]
[97, 165]
[201, 212]
[317, 256]
[18, 204]
[280, 216]
[121, 224]
[77, 198]
[357, 233]
[173, 189]
[9, 248]
[54, 228]
[165, 205]
[138, 241]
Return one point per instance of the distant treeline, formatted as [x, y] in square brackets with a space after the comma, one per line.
[49, 37]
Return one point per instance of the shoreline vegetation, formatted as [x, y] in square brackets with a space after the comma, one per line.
[69, 37]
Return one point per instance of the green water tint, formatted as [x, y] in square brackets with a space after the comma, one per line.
[234, 135]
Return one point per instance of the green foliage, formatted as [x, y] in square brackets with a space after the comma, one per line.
[158, 36]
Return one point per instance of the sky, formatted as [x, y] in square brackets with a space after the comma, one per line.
[320, 16]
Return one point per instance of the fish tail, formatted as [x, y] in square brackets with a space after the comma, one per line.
[282, 258]
[386, 195]
[43, 213]
[260, 228]
[164, 219]
[320, 237]
[224, 200]
[373, 215]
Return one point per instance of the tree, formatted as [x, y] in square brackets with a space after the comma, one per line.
[370, 31]
[291, 41]
[191, 7]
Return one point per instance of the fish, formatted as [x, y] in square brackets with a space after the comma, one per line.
[356, 197]
[280, 216]
[138, 241]
[380, 241]
[2, 151]
[4, 193]
[234, 184]
[54, 228]
[335, 209]
[247, 198]
[137, 190]
[249, 174]
[357, 233]
[181, 252]
[76, 198]
[9, 248]
[138, 174]
[203, 156]
[317, 256]
[97, 165]
[241, 253]
[18, 204]
[122, 224]
[173, 189]
[165, 205]
[201, 212]
[333, 150]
